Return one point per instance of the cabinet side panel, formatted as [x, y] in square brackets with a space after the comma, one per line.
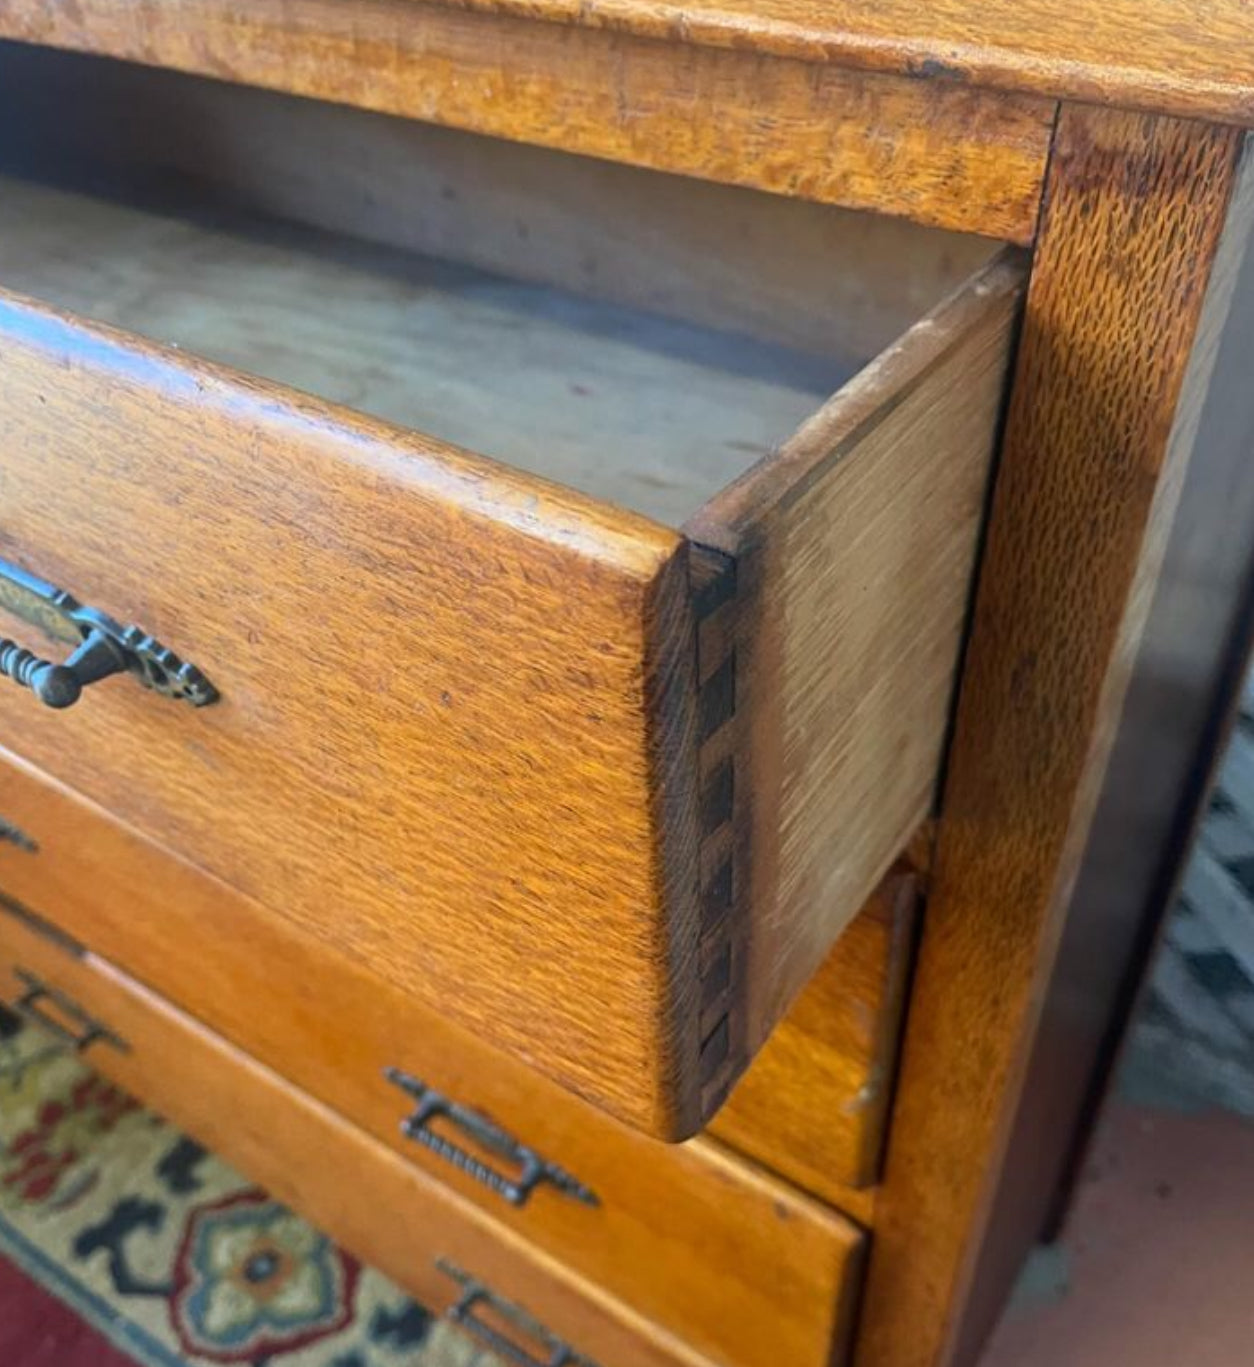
[1088, 480]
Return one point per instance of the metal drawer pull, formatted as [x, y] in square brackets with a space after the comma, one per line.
[533, 1170]
[475, 1293]
[101, 647]
[37, 992]
[15, 835]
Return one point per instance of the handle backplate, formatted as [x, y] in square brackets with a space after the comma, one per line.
[532, 1170]
[71, 1025]
[475, 1295]
[100, 645]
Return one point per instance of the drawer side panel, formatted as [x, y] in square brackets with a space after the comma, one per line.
[855, 548]
[815, 1103]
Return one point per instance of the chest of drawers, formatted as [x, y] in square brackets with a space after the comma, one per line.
[595, 571]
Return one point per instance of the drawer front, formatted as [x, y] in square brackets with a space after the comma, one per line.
[458, 696]
[448, 1254]
[734, 1261]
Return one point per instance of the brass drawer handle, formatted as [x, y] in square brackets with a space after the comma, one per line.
[475, 1293]
[87, 1031]
[101, 647]
[15, 835]
[533, 1170]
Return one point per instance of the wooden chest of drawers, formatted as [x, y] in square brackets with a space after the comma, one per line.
[523, 694]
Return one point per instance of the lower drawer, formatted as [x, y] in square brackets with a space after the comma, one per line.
[443, 1250]
[741, 1265]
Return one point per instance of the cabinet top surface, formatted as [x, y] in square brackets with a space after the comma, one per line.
[1193, 58]
[1188, 57]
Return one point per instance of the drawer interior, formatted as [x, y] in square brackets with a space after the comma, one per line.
[637, 336]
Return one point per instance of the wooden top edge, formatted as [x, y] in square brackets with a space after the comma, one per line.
[1170, 57]
[729, 519]
[935, 152]
[1195, 61]
[627, 543]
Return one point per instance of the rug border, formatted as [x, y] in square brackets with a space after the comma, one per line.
[124, 1334]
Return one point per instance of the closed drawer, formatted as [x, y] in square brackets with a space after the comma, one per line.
[608, 769]
[735, 1262]
[381, 1208]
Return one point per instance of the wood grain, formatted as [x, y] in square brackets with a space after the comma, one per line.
[1181, 702]
[1088, 480]
[815, 1102]
[716, 918]
[390, 1214]
[937, 153]
[828, 281]
[455, 735]
[736, 1263]
[1161, 56]
[854, 548]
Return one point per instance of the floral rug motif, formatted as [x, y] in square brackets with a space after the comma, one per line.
[169, 1254]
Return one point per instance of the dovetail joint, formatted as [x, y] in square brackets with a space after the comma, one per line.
[719, 804]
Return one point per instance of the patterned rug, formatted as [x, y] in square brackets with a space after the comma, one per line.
[144, 1248]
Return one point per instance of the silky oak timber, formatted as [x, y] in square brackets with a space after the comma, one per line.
[1115, 356]
[518, 646]
[702, 914]
[936, 152]
[300, 1150]
[846, 284]
[812, 1107]
[543, 380]
[806, 671]
[1162, 56]
[1182, 705]
[736, 1262]
[1165, 56]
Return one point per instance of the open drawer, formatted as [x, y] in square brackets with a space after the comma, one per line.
[595, 750]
